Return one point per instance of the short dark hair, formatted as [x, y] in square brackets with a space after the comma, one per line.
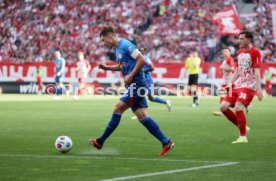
[192, 50]
[107, 30]
[248, 34]
[227, 48]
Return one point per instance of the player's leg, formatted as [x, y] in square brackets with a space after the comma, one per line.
[151, 125]
[153, 98]
[119, 109]
[241, 119]
[192, 88]
[244, 99]
[75, 90]
[229, 114]
[154, 129]
[194, 95]
[58, 86]
[80, 87]
[157, 99]
[64, 89]
[268, 87]
[39, 85]
[222, 97]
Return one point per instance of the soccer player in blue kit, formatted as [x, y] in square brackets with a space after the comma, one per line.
[148, 68]
[59, 74]
[130, 62]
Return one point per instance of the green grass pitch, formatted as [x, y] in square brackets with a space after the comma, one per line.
[29, 125]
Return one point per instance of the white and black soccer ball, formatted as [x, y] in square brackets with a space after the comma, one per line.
[63, 144]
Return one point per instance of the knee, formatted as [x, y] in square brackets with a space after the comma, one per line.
[150, 98]
[141, 115]
[223, 107]
[239, 107]
[118, 108]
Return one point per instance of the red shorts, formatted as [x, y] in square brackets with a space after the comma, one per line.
[243, 95]
[81, 80]
[39, 80]
[223, 86]
[268, 84]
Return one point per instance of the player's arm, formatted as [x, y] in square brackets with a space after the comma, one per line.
[228, 69]
[186, 68]
[258, 83]
[235, 76]
[256, 64]
[88, 67]
[195, 62]
[150, 69]
[116, 67]
[229, 86]
[140, 62]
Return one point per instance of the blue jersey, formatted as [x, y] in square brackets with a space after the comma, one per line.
[125, 53]
[146, 67]
[58, 65]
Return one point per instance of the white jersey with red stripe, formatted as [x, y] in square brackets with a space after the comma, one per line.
[247, 61]
[82, 69]
[227, 64]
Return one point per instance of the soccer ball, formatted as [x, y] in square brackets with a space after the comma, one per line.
[63, 144]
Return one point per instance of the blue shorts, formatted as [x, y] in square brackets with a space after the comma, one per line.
[59, 79]
[137, 100]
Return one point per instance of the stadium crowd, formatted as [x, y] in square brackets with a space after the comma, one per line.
[31, 30]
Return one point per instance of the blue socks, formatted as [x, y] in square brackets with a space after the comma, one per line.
[59, 91]
[110, 127]
[159, 100]
[149, 123]
[154, 129]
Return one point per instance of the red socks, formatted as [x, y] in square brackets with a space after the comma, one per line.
[237, 119]
[80, 90]
[241, 119]
[231, 116]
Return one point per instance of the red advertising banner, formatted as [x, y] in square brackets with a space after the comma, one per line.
[228, 21]
[164, 73]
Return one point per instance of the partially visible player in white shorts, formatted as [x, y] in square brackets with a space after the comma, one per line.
[226, 68]
[82, 69]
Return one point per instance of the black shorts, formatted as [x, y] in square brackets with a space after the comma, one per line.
[193, 79]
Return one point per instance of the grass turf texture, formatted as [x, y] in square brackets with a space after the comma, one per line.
[29, 125]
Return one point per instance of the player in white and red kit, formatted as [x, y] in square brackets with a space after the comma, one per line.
[245, 81]
[226, 68]
[82, 68]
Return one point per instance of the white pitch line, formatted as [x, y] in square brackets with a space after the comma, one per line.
[101, 157]
[171, 171]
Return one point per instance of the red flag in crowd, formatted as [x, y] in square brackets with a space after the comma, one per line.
[228, 21]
